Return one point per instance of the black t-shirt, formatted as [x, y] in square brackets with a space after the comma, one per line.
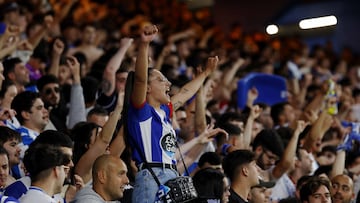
[235, 198]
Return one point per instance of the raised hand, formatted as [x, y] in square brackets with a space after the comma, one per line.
[126, 42]
[149, 33]
[58, 47]
[300, 126]
[211, 64]
[74, 66]
[255, 112]
[209, 134]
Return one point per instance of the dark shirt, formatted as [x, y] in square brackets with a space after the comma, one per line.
[235, 198]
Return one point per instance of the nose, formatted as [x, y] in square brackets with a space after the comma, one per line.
[126, 180]
[324, 199]
[71, 164]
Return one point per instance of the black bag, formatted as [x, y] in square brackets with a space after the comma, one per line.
[182, 189]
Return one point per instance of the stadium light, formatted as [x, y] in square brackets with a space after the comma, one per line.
[318, 22]
[272, 29]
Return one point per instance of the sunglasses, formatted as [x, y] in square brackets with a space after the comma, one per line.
[48, 91]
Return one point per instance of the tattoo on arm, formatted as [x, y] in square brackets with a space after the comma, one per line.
[184, 90]
[106, 86]
[177, 105]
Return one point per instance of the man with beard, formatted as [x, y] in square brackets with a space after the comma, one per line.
[50, 92]
[342, 189]
[270, 154]
[15, 70]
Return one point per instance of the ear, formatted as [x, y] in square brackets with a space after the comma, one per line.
[258, 150]
[101, 174]
[148, 89]
[25, 115]
[11, 76]
[245, 171]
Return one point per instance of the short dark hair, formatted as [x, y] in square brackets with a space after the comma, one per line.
[209, 157]
[5, 85]
[311, 186]
[3, 151]
[276, 110]
[236, 159]
[270, 140]
[46, 79]
[39, 158]
[81, 134]
[209, 184]
[23, 102]
[9, 65]
[53, 138]
[98, 110]
[8, 134]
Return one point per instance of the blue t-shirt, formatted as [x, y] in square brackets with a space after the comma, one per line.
[152, 133]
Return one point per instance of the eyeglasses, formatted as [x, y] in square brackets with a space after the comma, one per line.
[270, 156]
[66, 168]
[161, 79]
[48, 91]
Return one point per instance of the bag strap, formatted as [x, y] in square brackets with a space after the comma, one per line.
[147, 166]
[150, 169]
[182, 159]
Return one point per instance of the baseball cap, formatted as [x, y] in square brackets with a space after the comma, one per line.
[266, 184]
[10, 6]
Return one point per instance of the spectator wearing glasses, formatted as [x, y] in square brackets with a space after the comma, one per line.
[47, 166]
[271, 156]
[53, 139]
[60, 116]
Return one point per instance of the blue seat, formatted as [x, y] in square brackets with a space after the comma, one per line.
[272, 89]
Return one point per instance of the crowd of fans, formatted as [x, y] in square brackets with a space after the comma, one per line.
[83, 83]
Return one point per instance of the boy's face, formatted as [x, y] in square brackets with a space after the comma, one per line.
[12, 148]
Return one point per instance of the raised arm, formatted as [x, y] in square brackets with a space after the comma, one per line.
[287, 159]
[108, 83]
[57, 50]
[254, 114]
[35, 40]
[138, 96]
[83, 167]
[117, 146]
[190, 88]
[77, 110]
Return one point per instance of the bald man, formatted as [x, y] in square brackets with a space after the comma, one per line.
[342, 190]
[109, 181]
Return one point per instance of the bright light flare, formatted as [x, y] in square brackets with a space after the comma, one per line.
[318, 22]
[272, 29]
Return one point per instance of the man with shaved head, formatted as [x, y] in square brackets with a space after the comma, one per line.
[109, 181]
[342, 189]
